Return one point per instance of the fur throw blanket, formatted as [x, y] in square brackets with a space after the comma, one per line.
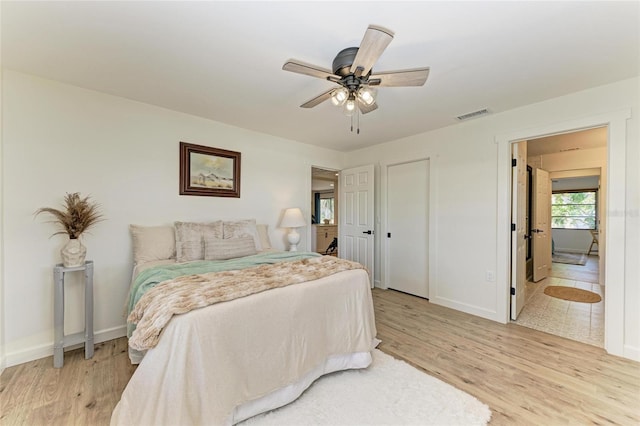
[178, 296]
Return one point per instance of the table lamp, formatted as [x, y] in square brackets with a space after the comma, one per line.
[293, 219]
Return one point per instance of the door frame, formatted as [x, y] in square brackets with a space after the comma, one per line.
[519, 233]
[433, 228]
[616, 123]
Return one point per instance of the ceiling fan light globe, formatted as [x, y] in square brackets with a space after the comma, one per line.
[366, 96]
[350, 107]
[339, 97]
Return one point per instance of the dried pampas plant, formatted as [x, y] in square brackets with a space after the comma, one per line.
[78, 215]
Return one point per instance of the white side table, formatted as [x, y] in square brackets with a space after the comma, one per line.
[59, 272]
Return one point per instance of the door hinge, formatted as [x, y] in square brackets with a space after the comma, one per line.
[514, 162]
[513, 291]
[513, 226]
[388, 234]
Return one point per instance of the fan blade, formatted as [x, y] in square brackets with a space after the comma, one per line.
[375, 40]
[400, 78]
[300, 67]
[318, 99]
[364, 108]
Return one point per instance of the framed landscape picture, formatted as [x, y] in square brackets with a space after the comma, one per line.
[209, 171]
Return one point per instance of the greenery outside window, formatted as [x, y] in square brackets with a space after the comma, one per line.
[574, 209]
[326, 209]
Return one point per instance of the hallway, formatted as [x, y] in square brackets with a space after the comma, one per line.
[583, 322]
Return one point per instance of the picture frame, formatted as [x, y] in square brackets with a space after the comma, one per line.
[210, 172]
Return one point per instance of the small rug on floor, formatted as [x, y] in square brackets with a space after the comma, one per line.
[389, 392]
[569, 258]
[573, 294]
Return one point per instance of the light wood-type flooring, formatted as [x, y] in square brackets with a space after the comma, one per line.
[525, 376]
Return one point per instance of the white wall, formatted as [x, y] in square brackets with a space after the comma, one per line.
[573, 241]
[59, 138]
[2, 322]
[464, 171]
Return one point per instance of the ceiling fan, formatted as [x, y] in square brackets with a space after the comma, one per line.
[352, 71]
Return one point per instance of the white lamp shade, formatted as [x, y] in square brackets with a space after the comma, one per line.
[292, 218]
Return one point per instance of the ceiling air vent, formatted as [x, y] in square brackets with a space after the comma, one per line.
[473, 114]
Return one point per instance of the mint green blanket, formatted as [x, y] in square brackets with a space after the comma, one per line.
[151, 277]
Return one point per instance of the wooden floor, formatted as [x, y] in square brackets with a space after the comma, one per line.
[525, 376]
[83, 392]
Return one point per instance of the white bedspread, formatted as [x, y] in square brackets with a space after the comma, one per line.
[212, 360]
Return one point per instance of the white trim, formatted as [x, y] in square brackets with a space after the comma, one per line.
[43, 351]
[3, 319]
[307, 202]
[463, 307]
[632, 352]
[615, 217]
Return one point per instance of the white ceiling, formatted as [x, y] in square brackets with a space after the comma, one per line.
[223, 60]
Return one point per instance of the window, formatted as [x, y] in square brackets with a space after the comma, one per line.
[326, 209]
[573, 210]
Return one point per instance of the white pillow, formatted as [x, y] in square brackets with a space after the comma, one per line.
[151, 243]
[263, 234]
[242, 228]
[190, 236]
[221, 249]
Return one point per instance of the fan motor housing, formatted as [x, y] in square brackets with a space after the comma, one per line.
[343, 61]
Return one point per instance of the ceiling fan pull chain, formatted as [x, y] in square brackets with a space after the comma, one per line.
[358, 119]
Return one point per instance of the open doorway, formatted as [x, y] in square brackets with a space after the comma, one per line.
[324, 211]
[574, 163]
[612, 230]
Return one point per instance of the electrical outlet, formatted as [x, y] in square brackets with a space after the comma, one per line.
[490, 276]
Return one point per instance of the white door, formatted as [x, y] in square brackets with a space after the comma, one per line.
[356, 229]
[541, 229]
[408, 227]
[519, 234]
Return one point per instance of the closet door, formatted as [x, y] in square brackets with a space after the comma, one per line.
[408, 227]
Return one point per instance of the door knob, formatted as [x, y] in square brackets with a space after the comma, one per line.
[536, 231]
[367, 232]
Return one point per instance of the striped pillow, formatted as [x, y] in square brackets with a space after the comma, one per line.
[230, 248]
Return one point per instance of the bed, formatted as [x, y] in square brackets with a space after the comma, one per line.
[231, 360]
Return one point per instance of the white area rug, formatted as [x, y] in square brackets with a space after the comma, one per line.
[389, 392]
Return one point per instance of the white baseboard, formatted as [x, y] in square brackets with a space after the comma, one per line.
[43, 351]
[571, 250]
[577, 251]
[469, 309]
[631, 352]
